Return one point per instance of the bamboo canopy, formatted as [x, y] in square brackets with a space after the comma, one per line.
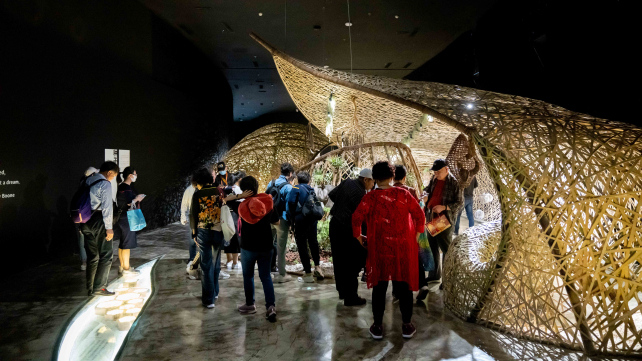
[561, 264]
[261, 152]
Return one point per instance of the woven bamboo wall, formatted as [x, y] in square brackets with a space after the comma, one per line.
[261, 152]
[563, 264]
[347, 162]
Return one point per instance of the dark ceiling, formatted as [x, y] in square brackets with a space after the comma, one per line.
[389, 38]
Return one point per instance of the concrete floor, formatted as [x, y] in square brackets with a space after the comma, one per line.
[312, 323]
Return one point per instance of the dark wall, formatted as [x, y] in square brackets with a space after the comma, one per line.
[578, 55]
[83, 76]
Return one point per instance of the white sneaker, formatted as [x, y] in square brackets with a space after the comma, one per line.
[211, 305]
[229, 265]
[236, 266]
[283, 279]
[308, 278]
[187, 269]
[83, 267]
[131, 271]
[223, 275]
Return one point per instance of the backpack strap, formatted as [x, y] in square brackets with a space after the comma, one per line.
[96, 182]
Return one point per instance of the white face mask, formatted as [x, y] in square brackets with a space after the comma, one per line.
[134, 176]
[221, 172]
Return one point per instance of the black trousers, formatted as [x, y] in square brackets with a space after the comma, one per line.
[403, 293]
[305, 233]
[99, 252]
[422, 273]
[348, 258]
[440, 241]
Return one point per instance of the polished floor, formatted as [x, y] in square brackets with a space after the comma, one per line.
[312, 323]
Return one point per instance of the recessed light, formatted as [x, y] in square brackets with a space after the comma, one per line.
[396, 16]
[469, 106]
[348, 24]
[260, 14]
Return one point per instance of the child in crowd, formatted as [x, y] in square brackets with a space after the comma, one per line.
[255, 235]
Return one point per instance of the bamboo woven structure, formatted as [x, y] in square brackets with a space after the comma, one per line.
[346, 162]
[561, 264]
[261, 152]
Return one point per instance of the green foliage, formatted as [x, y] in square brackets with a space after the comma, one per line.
[411, 180]
[323, 235]
[336, 161]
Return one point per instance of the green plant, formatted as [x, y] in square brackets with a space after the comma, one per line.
[323, 235]
[336, 161]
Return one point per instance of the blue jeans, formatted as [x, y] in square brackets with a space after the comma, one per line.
[209, 247]
[248, 259]
[468, 206]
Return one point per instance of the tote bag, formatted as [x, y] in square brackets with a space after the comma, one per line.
[426, 253]
[136, 220]
[227, 224]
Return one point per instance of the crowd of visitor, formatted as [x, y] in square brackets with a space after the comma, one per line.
[375, 224]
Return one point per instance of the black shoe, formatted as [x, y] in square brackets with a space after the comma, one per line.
[441, 286]
[104, 292]
[354, 301]
[421, 296]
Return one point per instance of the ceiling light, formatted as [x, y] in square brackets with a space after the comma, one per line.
[469, 105]
[396, 16]
[348, 24]
[260, 14]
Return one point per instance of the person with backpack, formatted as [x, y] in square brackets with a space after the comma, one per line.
[300, 209]
[279, 189]
[256, 215]
[81, 238]
[98, 228]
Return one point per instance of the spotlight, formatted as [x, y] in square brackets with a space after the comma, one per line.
[260, 14]
[469, 105]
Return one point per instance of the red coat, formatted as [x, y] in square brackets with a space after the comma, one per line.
[393, 218]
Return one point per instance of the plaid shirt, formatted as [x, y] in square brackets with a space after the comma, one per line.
[451, 197]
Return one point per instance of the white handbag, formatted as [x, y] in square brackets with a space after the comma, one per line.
[227, 223]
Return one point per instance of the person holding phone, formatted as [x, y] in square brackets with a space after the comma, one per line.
[126, 199]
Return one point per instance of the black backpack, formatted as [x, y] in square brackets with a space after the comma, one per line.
[277, 198]
[312, 208]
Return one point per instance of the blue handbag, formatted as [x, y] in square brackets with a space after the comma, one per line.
[136, 220]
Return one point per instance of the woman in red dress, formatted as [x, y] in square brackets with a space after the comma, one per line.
[394, 221]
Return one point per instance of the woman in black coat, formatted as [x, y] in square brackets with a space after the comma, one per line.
[125, 197]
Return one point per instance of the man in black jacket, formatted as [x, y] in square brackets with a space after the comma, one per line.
[443, 196]
[348, 256]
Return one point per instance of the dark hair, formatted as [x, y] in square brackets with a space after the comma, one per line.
[202, 177]
[303, 177]
[286, 168]
[383, 170]
[400, 172]
[109, 166]
[219, 164]
[238, 176]
[249, 183]
[126, 173]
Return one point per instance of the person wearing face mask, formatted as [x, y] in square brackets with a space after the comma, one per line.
[443, 196]
[223, 178]
[98, 230]
[234, 249]
[125, 198]
[348, 255]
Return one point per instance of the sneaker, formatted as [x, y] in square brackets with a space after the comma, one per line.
[103, 292]
[283, 279]
[308, 278]
[408, 330]
[211, 305]
[216, 297]
[120, 271]
[236, 266]
[275, 269]
[271, 314]
[130, 271]
[354, 301]
[83, 267]
[223, 275]
[248, 309]
[376, 332]
[229, 265]
[188, 268]
[318, 273]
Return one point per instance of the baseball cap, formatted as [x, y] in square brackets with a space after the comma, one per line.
[90, 171]
[438, 164]
[366, 173]
[220, 166]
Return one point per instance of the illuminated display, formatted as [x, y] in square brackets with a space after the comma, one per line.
[99, 329]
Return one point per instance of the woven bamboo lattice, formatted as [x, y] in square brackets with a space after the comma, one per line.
[566, 267]
[261, 153]
[337, 165]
